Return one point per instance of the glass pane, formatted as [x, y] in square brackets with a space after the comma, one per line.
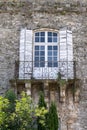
[49, 39]
[42, 33]
[49, 47]
[49, 33]
[36, 47]
[37, 34]
[42, 64]
[55, 53]
[42, 47]
[54, 34]
[42, 53]
[39, 56]
[49, 58]
[36, 59]
[36, 64]
[42, 58]
[49, 53]
[54, 47]
[36, 39]
[36, 53]
[42, 39]
[55, 64]
[49, 64]
[54, 39]
[54, 58]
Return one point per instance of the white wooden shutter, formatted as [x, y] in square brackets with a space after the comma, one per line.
[65, 54]
[25, 54]
[70, 55]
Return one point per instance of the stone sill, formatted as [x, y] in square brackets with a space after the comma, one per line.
[32, 80]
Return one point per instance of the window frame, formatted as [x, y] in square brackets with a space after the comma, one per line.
[39, 56]
[39, 37]
[46, 44]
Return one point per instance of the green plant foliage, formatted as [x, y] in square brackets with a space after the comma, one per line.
[41, 121]
[59, 76]
[8, 123]
[53, 117]
[61, 81]
[40, 113]
[42, 102]
[11, 96]
[4, 103]
[25, 111]
[24, 116]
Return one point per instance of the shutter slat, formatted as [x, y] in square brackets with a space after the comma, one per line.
[66, 54]
[25, 54]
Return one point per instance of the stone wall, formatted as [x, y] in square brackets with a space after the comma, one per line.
[32, 14]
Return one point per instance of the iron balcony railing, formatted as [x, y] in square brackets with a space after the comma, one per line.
[44, 70]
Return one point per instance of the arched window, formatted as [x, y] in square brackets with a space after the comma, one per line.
[46, 49]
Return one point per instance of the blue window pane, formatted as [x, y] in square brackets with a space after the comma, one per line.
[42, 33]
[42, 64]
[42, 58]
[36, 59]
[49, 47]
[36, 47]
[36, 53]
[39, 56]
[54, 58]
[42, 53]
[37, 34]
[55, 53]
[54, 34]
[36, 64]
[42, 39]
[55, 64]
[49, 39]
[49, 53]
[49, 33]
[36, 39]
[49, 58]
[42, 48]
[55, 39]
[54, 47]
[49, 64]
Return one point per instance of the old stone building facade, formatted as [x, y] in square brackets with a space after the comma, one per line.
[50, 16]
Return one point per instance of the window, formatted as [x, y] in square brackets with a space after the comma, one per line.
[39, 56]
[42, 46]
[40, 37]
[52, 56]
[52, 37]
[46, 49]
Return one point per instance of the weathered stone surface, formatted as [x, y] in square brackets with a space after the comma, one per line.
[17, 14]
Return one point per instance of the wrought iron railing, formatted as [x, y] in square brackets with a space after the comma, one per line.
[44, 70]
